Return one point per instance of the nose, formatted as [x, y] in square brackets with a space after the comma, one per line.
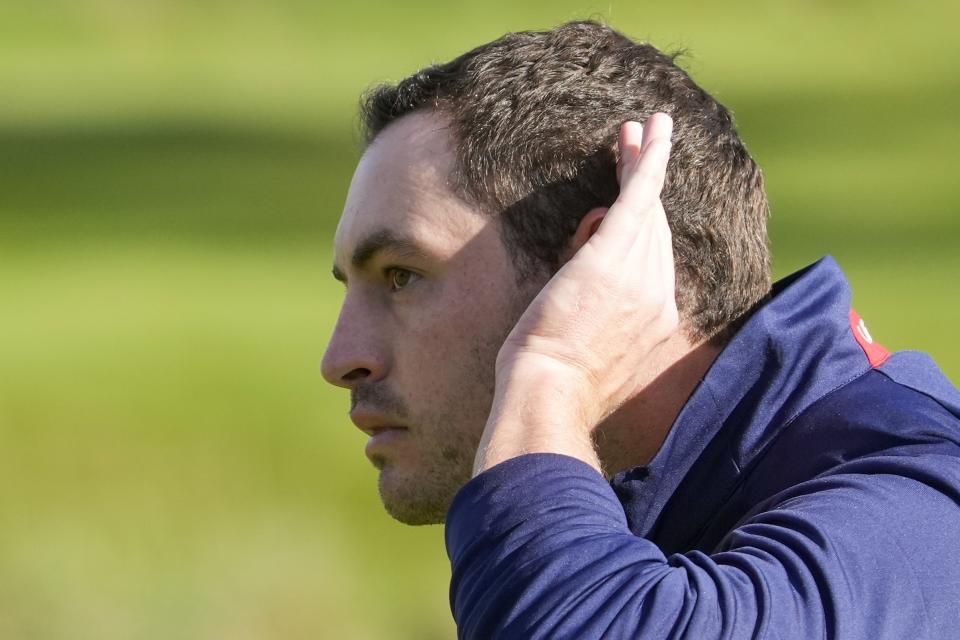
[356, 352]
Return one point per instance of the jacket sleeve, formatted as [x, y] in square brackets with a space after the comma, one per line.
[540, 548]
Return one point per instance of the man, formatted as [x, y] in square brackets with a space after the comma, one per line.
[744, 462]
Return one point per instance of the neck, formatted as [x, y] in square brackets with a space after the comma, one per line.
[632, 435]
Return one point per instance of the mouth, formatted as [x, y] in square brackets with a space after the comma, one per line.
[381, 440]
[384, 434]
[373, 424]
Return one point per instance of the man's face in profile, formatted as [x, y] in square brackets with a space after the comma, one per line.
[431, 294]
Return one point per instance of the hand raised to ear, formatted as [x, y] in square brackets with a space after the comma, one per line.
[572, 357]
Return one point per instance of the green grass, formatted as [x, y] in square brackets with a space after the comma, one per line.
[172, 465]
[170, 175]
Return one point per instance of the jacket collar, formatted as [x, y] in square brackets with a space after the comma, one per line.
[795, 348]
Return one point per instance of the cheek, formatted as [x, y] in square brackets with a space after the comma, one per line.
[448, 355]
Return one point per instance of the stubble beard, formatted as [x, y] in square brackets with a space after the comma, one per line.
[422, 495]
[447, 443]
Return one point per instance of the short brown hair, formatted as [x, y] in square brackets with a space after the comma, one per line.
[535, 117]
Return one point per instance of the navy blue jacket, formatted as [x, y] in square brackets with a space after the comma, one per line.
[809, 488]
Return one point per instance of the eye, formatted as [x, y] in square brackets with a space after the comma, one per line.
[399, 278]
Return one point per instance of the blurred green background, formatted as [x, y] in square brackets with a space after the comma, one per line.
[171, 463]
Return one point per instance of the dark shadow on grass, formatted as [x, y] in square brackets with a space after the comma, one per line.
[173, 179]
[198, 180]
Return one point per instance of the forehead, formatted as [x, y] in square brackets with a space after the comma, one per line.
[402, 185]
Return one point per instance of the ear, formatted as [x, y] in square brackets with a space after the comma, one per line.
[587, 227]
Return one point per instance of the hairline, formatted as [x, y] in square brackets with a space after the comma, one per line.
[524, 263]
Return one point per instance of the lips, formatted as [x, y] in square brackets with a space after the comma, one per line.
[381, 442]
[383, 431]
[379, 431]
[386, 434]
[372, 423]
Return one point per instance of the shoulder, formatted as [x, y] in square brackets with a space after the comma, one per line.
[871, 426]
[881, 411]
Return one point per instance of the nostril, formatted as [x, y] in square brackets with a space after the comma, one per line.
[356, 374]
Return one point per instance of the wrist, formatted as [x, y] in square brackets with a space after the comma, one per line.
[538, 409]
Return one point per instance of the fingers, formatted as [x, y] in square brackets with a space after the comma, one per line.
[644, 152]
[629, 140]
[647, 150]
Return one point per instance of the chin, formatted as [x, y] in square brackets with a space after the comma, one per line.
[411, 502]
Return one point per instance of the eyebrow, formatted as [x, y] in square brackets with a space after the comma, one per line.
[380, 241]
